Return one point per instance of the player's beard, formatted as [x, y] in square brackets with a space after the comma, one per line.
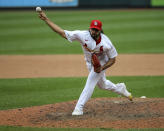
[94, 36]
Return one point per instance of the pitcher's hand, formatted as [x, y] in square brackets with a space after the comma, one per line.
[42, 16]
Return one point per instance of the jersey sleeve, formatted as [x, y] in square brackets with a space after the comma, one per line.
[73, 35]
[111, 51]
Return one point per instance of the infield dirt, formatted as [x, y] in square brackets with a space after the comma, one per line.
[98, 113]
[33, 66]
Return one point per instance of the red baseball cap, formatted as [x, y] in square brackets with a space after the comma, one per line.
[96, 24]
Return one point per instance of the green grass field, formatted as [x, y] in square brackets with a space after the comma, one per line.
[131, 31]
[40, 91]
[137, 31]
[17, 93]
[157, 2]
[43, 91]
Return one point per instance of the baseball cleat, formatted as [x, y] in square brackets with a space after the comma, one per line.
[130, 97]
[77, 112]
[125, 92]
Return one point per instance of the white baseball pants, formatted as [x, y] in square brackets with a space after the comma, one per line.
[101, 81]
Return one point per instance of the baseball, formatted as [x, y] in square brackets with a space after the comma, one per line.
[38, 9]
[143, 97]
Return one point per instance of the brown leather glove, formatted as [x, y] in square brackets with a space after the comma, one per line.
[96, 63]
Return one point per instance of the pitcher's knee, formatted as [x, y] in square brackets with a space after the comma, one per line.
[106, 87]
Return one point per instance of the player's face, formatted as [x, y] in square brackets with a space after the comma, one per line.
[95, 33]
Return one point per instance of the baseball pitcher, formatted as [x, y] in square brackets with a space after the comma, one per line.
[100, 54]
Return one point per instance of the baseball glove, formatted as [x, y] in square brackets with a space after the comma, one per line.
[95, 62]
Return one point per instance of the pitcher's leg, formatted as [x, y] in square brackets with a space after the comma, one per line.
[119, 88]
[87, 91]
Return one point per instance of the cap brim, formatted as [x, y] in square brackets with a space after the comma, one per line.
[95, 27]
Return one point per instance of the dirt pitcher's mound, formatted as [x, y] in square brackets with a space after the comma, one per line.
[98, 113]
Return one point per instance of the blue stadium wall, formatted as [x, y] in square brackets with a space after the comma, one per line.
[76, 4]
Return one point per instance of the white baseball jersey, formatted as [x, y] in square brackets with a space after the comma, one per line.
[104, 48]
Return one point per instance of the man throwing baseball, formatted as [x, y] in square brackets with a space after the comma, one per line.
[93, 41]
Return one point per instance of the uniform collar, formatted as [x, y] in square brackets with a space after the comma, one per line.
[99, 40]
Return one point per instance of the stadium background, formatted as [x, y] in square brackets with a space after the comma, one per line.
[81, 3]
[22, 33]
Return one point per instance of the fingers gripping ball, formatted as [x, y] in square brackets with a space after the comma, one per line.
[95, 62]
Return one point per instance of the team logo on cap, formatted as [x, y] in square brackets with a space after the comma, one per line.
[95, 23]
